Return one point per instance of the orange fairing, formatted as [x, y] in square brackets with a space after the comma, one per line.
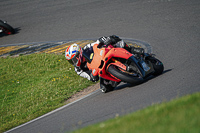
[100, 60]
[96, 62]
[119, 64]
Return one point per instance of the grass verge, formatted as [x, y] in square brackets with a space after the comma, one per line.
[33, 85]
[177, 116]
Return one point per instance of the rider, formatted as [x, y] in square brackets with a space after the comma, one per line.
[79, 57]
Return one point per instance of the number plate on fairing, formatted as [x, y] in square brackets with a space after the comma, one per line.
[145, 66]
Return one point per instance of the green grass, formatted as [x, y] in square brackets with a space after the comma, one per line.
[33, 85]
[177, 116]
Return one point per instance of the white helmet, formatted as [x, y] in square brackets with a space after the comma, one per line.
[74, 54]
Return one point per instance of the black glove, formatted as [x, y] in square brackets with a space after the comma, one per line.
[108, 40]
[114, 39]
[103, 41]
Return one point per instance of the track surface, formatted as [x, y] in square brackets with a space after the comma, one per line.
[171, 27]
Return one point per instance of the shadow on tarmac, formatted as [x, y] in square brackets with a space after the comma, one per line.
[122, 86]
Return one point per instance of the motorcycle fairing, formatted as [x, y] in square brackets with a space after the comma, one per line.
[97, 59]
[140, 66]
[101, 58]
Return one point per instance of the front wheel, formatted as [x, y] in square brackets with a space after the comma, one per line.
[6, 28]
[125, 76]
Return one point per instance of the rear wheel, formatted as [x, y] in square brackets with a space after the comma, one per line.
[6, 28]
[125, 76]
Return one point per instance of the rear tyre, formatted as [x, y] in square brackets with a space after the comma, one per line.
[6, 28]
[124, 75]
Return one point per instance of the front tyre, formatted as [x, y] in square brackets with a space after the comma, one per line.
[124, 75]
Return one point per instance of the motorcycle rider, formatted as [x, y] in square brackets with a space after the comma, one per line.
[79, 57]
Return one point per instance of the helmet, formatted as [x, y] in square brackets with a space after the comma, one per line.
[74, 54]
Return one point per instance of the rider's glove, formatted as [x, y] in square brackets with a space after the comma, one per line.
[108, 40]
[103, 41]
[114, 39]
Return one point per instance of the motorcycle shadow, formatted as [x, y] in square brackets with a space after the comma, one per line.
[125, 85]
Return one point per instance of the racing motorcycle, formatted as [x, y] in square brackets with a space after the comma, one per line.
[119, 65]
[6, 28]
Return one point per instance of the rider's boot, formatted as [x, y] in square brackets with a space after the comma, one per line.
[106, 85]
[103, 88]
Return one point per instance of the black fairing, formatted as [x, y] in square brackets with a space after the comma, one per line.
[136, 65]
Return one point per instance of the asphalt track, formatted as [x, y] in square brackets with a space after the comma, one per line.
[171, 27]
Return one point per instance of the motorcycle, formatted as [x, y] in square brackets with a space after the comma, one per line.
[119, 65]
[6, 28]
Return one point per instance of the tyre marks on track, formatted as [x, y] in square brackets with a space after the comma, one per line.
[47, 47]
[62, 48]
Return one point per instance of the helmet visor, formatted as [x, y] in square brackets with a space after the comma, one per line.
[75, 59]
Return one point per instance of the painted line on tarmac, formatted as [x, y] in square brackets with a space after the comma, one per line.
[39, 47]
[58, 47]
